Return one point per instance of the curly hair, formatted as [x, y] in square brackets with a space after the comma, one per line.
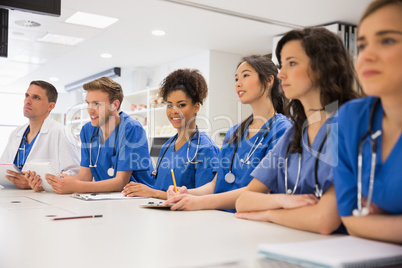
[266, 70]
[333, 73]
[190, 81]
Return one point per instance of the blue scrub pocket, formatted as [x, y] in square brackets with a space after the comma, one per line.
[188, 176]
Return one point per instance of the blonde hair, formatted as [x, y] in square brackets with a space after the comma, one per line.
[377, 4]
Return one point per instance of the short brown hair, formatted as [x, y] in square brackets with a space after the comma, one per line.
[377, 4]
[108, 85]
[51, 92]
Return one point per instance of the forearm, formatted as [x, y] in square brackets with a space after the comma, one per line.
[316, 218]
[159, 194]
[226, 200]
[206, 189]
[386, 228]
[111, 185]
[84, 174]
[253, 201]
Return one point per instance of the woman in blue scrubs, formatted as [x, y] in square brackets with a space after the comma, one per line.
[245, 144]
[190, 153]
[373, 212]
[292, 185]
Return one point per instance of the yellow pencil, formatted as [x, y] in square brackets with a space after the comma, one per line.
[174, 181]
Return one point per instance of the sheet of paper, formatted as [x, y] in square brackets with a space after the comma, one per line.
[3, 172]
[103, 196]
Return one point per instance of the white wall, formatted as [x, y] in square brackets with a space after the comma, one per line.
[11, 111]
[221, 109]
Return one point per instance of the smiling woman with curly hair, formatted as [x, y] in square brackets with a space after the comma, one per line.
[189, 153]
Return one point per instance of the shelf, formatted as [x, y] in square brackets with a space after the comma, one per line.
[143, 111]
[78, 121]
[163, 108]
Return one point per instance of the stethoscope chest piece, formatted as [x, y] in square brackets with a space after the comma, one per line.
[110, 171]
[229, 177]
[363, 212]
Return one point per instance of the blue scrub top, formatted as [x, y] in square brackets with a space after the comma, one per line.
[241, 170]
[189, 175]
[353, 122]
[271, 170]
[24, 150]
[131, 151]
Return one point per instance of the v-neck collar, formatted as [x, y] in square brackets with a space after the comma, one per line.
[317, 139]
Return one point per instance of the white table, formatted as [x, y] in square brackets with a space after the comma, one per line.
[126, 236]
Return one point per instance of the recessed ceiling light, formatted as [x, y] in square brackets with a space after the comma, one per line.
[158, 33]
[54, 79]
[106, 55]
[91, 20]
[61, 39]
[27, 23]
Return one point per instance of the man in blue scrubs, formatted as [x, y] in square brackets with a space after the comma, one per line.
[114, 148]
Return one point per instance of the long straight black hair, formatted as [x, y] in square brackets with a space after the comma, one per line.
[267, 71]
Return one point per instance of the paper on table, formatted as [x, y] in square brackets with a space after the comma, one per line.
[41, 169]
[336, 252]
[3, 172]
[103, 196]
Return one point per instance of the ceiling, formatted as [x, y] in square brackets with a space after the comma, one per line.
[188, 30]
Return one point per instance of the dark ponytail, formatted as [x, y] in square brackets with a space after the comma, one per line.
[266, 70]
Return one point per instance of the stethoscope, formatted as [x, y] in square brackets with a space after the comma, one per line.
[230, 177]
[110, 170]
[22, 149]
[189, 161]
[360, 211]
[318, 191]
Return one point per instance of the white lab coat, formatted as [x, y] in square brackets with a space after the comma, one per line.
[54, 143]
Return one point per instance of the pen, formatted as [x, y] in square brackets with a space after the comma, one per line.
[174, 181]
[77, 217]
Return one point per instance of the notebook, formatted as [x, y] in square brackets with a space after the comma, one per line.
[344, 251]
[103, 196]
[3, 172]
[41, 169]
[157, 205]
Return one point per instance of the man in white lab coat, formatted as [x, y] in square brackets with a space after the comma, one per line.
[42, 139]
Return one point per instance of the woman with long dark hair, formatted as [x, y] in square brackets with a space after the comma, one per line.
[292, 185]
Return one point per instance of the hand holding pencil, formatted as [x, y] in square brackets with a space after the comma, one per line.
[173, 189]
[174, 181]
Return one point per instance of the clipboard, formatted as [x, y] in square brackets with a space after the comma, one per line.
[103, 196]
[157, 205]
[3, 172]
